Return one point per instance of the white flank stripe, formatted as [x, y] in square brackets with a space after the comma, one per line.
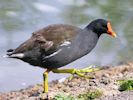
[66, 43]
[53, 54]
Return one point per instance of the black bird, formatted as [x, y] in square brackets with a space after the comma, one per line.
[57, 45]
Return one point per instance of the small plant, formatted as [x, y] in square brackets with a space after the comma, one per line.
[90, 95]
[126, 85]
[63, 97]
[86, 96]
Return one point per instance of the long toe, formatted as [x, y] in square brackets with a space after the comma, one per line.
[89, 69]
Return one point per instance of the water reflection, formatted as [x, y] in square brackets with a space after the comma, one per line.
[19, 19]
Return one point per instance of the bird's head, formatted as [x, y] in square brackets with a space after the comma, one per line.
[101, 26]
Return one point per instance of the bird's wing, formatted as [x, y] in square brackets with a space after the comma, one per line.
[49, 38]
[55, 36]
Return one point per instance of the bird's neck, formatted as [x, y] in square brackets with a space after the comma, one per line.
[91, 27]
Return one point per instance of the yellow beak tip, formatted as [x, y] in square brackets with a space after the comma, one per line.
[114, 35]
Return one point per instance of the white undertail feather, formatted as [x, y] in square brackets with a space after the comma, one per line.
[19, 55]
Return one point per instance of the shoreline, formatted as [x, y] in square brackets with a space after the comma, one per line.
[104, 80]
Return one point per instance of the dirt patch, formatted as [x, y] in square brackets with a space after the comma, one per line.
[105, 80]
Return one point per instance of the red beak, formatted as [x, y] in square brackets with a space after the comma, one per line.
[110, 30]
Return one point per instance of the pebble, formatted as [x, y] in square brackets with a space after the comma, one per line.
[62, 80]
[105, 81]
[92, 83]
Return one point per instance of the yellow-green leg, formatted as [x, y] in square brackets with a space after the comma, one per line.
[79, 72]
[44, 95]
[45, 81]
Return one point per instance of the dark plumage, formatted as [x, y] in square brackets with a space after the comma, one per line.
[57, 45]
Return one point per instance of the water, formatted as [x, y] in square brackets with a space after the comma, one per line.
[19, 19]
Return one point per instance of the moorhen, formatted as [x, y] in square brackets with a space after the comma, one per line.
[57, 45]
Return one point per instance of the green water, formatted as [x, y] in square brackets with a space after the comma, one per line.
[18, 19]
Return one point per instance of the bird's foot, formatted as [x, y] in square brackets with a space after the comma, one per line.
[79, 72]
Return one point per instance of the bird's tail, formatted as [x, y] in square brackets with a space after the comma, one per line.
[12, 54]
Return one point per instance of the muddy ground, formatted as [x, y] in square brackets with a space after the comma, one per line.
[105, 80]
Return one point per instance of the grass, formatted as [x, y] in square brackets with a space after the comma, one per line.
[126, 85]
[63, 97]
[86, 96]
[90, 95]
